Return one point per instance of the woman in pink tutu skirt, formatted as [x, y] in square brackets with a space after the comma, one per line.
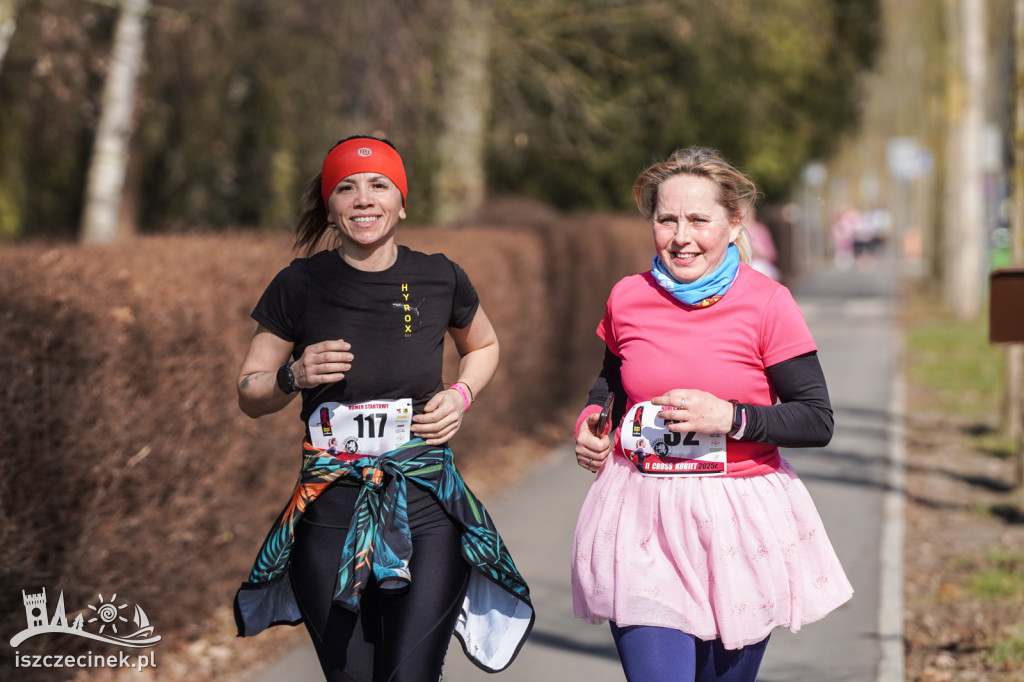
[696, 538]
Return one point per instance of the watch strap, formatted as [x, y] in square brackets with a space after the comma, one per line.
[286, 379]
[738, 417]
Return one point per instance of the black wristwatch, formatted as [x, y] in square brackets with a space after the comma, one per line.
[286, 380]
[737, 417]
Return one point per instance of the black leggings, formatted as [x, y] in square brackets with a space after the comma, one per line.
[396, 636]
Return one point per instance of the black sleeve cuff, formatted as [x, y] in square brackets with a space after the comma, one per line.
[803, 417]
[610, 381]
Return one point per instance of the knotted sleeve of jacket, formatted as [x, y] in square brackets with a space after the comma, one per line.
[497, 614]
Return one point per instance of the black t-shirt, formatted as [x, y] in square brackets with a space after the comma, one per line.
[395, 320]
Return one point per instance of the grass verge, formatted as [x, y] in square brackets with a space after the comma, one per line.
[965, 593]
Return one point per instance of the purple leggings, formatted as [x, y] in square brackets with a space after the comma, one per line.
[655, 654]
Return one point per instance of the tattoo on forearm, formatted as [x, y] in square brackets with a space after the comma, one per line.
[244, 384]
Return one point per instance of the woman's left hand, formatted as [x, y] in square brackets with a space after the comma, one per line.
[441, 418]
[692, 410]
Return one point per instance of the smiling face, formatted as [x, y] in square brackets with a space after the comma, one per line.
[366, 208]
[692, 230]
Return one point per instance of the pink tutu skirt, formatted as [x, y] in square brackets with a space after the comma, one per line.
[715, 557]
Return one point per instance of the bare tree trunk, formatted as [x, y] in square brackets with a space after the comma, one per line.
[1015, 354]
[966, 235]
[8, 22]
[105, 183]
[465, 108]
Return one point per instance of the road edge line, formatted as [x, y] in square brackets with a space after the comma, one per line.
[890, 608]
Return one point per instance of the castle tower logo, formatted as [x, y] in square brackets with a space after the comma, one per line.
[105, 621]
[35, 608]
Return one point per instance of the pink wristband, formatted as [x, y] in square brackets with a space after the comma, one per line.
[743, 425]
[464, 392]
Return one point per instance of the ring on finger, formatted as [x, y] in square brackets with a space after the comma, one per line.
[682, 403]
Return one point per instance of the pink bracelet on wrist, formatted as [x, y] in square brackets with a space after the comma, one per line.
[464, 391]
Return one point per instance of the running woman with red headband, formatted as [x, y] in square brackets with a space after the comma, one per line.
[383, 551]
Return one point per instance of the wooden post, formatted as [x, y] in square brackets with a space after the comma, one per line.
[1006, 326]
[1015, 353]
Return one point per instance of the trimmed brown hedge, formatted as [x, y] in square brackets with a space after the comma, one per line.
[125, 464]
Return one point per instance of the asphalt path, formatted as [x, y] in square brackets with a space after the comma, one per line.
[856, 483]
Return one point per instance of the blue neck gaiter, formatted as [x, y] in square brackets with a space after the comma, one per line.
[706, 290]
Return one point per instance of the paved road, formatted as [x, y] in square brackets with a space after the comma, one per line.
[856, 483]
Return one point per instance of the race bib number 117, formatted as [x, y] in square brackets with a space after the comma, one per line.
[360, 429]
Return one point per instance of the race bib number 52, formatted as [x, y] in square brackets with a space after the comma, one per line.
[656, 451]
[360, 429]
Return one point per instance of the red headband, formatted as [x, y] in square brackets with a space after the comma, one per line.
[362, 155]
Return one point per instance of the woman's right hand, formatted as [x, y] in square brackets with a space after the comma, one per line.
[323, 363]
[592, 449]
[258, 392]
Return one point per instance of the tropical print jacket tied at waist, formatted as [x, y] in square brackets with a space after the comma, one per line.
[497, 614]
